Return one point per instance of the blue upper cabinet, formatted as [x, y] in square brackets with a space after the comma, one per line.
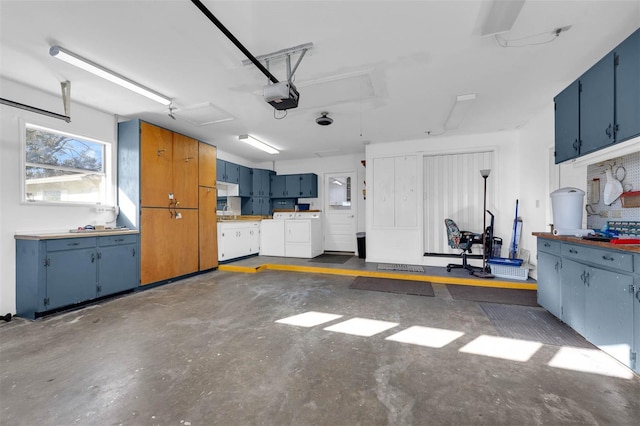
[309, 185]
[596, 106]
[227, 172]
[602, 107]
[294, 186]
[567, 130]
[245, 181]
[278, 186]
[627, 74]
[261, 182]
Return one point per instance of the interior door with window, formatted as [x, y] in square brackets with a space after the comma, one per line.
[340, 212]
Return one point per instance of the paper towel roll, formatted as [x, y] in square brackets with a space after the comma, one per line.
[573, 232]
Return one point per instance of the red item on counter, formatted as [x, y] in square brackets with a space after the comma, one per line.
[625, 241]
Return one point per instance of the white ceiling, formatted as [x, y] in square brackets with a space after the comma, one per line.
[384, 70]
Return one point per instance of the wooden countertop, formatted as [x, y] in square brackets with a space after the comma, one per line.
[82, 234]
[576, 240]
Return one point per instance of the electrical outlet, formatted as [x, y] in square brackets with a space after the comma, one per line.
[604, 213]
[616, 214]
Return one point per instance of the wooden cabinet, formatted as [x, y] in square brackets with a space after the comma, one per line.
[602, 107]
[158, 178]
[238, 239]
[208, 234]
[599, 294]
[207, 155]
[169, 167]
[54, 272]
[168, 244]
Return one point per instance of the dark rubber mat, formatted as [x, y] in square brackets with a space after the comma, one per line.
[331, 258]
[534, 324]
[417, 288]
[511, 296]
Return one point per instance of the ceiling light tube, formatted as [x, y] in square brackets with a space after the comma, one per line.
[256, 143]
[85, 64]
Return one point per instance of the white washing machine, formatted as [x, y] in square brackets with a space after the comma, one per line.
[303, 235]
[272, 234]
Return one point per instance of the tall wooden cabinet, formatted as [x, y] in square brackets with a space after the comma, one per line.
[207, 232]
[158, 193]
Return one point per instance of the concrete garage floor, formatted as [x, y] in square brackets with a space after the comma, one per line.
[208, 350]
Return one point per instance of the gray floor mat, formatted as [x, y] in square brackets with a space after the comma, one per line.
[529, 323]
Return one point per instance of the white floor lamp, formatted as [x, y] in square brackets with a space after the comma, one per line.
[484, 273]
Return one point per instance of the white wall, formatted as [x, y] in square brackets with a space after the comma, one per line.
[407, 245]
[16, 217]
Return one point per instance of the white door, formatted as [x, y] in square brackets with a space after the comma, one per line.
[340, 204]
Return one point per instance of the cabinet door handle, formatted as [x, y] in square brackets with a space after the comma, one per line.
[547, 245]
[638, 295]
[575, 145]
[605, 257]
[608, 131]
[119, 240]
[133, 252]
[73, 244]
[93, 257]
[587, 279]
[573, 251]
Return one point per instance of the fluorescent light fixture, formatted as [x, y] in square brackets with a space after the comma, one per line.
[459, 110]
[501, 16]
[87, 65]
[256, 143]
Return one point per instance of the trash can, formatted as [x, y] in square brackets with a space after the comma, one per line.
[362, 244]
[567, 206]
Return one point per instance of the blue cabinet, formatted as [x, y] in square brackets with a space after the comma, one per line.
[567, 119]
[627, 70]
[261, 182]
[308, 185]
[294, 186]
[596, 106]
[245, 180]
[256, 206]
[54, 273]
[550, 265]
[602, 107]
[227, 171]
[599, 294]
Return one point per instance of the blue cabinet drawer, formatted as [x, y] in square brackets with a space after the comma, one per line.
[71, 243]
[549, 246]
[600, 257]
[115, 240]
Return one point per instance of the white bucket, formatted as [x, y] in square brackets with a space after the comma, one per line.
[567, 207]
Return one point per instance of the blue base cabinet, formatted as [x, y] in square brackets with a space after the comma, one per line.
[597, 291]
[54, 273]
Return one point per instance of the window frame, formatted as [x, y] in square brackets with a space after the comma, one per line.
[107, 196]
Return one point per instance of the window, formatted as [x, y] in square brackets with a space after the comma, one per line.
[64, 168]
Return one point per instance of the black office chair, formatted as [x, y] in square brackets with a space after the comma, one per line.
[462, 240]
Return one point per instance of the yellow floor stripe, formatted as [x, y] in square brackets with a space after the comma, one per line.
[378, 274]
